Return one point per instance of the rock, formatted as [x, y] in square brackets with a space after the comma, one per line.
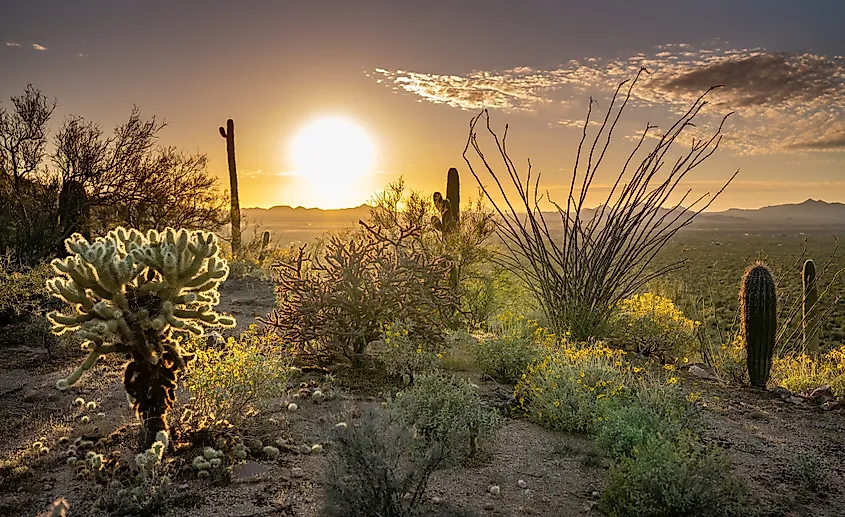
[783, 393]
[797, 400]
[522, 484]
[296, 472]
[822, 394]
[488, 505]
[494, 489]
[249, 472]
[703, 372]
[47, 487]
[436, 500]
[595, 493]
[831, 405]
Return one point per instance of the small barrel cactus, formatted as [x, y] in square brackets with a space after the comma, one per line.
[758, 310]
[809, 307]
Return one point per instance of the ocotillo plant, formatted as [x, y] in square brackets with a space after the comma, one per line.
[229, 134]
[128, 292]
[809, 308]
[758, 310]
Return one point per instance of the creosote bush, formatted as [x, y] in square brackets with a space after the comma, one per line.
[516, 343]
[446, 410]
[230, 381]
[129, 292]
[407, 352]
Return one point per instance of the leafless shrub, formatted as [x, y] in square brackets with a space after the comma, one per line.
[599, 256]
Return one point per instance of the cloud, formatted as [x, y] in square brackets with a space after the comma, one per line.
[12, 44]
[40, 48]
[784, 102]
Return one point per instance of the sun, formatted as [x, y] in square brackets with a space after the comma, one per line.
[335, 158]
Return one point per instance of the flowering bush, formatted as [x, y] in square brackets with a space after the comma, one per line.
[408, 353]
[228, 382]
[730, 361]
[653, 326]
[563, 390]
[800, 373]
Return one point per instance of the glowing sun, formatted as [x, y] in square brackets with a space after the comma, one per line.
[334, 156]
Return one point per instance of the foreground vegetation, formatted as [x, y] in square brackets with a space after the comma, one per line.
[393, 327]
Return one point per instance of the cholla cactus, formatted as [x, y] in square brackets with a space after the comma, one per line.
[129, 291]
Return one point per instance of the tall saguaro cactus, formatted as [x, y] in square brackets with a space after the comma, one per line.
[229, 134]
[758, 310]
[127, 292]
[809, 308]
[453, 193]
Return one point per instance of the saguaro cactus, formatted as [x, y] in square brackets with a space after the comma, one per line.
[128, 291]
[229, 134]
[265, 241]
[758, 310]
[809, 306]
[453, 194]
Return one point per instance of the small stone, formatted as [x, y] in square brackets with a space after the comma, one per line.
[822, 393]
[494, 489]
[47, 487]
[488, 505]
[305, 449]
[831, 405]
[783, 393]
[703, 373]
[296, 472]
[292, 407]
[436, 500]
[595, 493]
[522, 484]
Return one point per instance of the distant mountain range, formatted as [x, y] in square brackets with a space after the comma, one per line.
[810, 213]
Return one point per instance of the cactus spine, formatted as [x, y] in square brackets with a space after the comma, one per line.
[229, 134]
[758, 310]
[810, 301]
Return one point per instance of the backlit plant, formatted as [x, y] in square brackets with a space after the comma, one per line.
[129, 292]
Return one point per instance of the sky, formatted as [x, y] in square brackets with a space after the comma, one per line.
[411, 75]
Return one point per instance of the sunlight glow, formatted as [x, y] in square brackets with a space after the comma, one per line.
[335, 157]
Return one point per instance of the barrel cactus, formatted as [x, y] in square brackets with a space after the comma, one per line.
[129, 292]
[809, 307]
[758, 310]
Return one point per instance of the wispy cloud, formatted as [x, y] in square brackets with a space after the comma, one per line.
[784, 102]
[12, 44]
[40, 48]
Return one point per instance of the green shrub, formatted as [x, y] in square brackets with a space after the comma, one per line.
[653, 410]
[446, 410]
[565, 389]
[681, 478]
[369, 474]
[22, 290]
[409, 352]
[652, 325]
[505, 358]
[229, 382]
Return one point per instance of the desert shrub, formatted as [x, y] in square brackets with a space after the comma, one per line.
[566, 387]
[22, 290]
[730, 361]
[229, 382]
[801, 372]
[579, 261]
[673, 478]
[809, 472]
[445, 410]
[370, 475]
[507, 353]
[652, 325]
[407, 353]
[494, 291]
[652, 409]
[334, 301]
